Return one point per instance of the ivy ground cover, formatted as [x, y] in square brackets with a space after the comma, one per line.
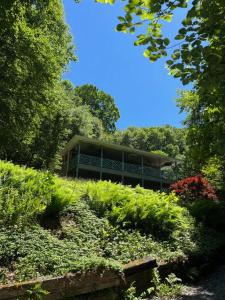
[51, 226]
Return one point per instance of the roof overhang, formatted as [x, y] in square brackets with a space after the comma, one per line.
[162, 160]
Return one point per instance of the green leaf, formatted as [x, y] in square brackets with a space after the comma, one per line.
[135, 2]
[122, 19]
[176, 55]
[121, 27]
[147, 16]
[159, 41]
[168, 18]
[184, 4]
[128, 17]
[187, 21]
[175, 72]
[154, 57]
[179, 37]
[182, 31]
[147, 53]
[169, 62]
[142, 40]
[106, 1]
[163, 52]
[138, 24]
[166, 41]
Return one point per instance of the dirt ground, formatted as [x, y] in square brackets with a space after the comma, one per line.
[209, 288]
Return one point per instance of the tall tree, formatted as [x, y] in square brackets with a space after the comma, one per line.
[205, 136]
[35, 47]
[65, 117]
[101, 105]
[82, 119]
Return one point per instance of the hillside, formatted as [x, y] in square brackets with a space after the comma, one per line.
[51, 226]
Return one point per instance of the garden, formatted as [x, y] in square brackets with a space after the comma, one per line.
[51, 226]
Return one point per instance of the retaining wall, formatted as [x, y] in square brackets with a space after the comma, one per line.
[72, 285]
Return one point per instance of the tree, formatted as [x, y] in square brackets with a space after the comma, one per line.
[82, 120]
[85, 124]
[35, 47]
[101, 105]
[61, 122]
[166, 139]
[205, 136]
[44, 150]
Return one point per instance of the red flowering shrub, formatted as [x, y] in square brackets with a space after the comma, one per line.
[194, 188]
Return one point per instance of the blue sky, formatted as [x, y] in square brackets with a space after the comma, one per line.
[144, 92]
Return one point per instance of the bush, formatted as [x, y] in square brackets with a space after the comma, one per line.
[210, 213]
[152, 212]
[199, 197]
[194, 188]
[26, 194]
[65, 193]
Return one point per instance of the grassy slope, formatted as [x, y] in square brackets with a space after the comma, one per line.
[50, 226]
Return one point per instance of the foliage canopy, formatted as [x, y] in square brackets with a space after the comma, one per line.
[100, 104]
[167, 139]
[35, 49]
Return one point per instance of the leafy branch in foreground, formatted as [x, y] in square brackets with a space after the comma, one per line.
[198, 39]
[149, 15]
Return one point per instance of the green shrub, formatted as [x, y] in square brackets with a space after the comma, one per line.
[210, 213]
[26, 194]
[65, 193]
[207, 244]
[152, 212]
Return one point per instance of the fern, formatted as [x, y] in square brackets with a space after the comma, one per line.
[152, 212]
[26, 194]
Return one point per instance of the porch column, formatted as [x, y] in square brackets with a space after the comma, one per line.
[160, 174]
[161, 180]
[78, 160]
[123, 166]
[142, 171]
[101, 163]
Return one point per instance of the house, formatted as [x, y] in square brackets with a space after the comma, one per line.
[96, 159]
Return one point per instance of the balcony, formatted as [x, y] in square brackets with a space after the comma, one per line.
[120, 168]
